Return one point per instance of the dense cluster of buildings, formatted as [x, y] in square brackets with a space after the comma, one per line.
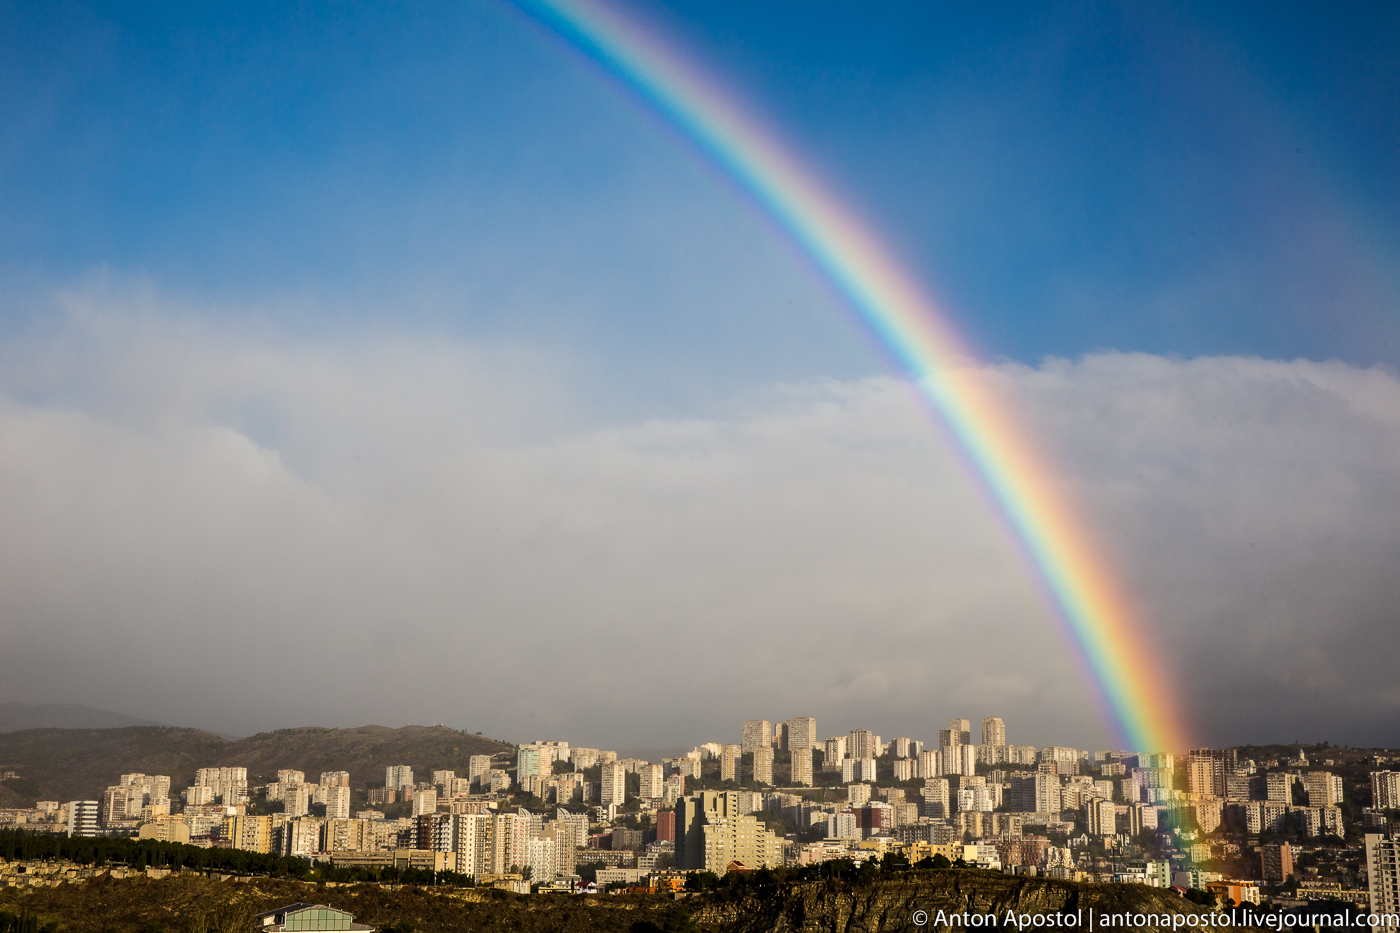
[782, 796]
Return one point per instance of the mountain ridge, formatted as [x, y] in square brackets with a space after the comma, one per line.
[72, 764]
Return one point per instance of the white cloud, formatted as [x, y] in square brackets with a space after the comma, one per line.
[236, 529]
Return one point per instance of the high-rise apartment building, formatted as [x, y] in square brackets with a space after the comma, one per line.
[959, 732]
[763, 764]
[613, 786]
[296, 800]
[1383, 873]
[287, 776]
[801, 767]
[397, 777]
[835, 751]
[1324, 789]
[1207, 769]
[82, 817]
[472, 838]
[477, 765]
[758, 733]
[906, 747]
[1102, 816]
[1385, 790]
[250, 833]
[861, 744]
[937, 799]
[1276, 863]
[337, 802]
[958, 759]
[424, 802]
[1034, 793]
[653, 781]
[799, 733]
[528, 762]
[993, 731]
[711, 833]
[1278, 787]
[335, 779]
[730, 757]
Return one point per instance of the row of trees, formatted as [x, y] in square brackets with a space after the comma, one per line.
[143, 853]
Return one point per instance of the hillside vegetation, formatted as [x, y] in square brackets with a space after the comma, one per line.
[192, 903]
[73, 764]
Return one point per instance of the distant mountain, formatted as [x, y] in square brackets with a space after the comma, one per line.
[16, 716]
[72, 764]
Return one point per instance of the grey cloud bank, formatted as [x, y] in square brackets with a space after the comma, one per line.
[243, 531]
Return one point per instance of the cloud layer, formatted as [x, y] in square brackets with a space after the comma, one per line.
[240, 530]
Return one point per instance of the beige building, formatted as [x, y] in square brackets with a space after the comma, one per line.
[758, 733]
[165, 829]
[337, 802]
[1102, 817]
[861, 744]
[1383, 873]
[740, 841]
[296, 800]
[302, 837]
[424, 802]
[763, 764]
[729, 760]
[799, 733]
[993, 731]
[613, 785]
[712, 833]
[653, 781]
[959, 732]
[801, 769]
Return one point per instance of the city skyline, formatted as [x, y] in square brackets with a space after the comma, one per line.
[351, 344]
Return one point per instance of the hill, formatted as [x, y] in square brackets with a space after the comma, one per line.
[185, 902]
[72, 764]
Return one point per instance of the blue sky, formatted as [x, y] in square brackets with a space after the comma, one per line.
[1169, 178]
[413, 306]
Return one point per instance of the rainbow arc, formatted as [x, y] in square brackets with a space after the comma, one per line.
[1091, 608]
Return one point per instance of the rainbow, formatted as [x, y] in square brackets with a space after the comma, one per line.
[1091, 609]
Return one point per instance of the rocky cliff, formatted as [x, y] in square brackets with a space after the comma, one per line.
[901, 902]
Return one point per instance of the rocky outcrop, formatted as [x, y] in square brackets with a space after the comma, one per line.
[959, 898]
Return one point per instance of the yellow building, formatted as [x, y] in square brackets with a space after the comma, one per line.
[741, 839]
[165, 829]
[250, 833]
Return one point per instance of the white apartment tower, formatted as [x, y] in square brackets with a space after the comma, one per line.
[397, 777]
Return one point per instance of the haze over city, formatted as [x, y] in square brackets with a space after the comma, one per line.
[404, 365]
